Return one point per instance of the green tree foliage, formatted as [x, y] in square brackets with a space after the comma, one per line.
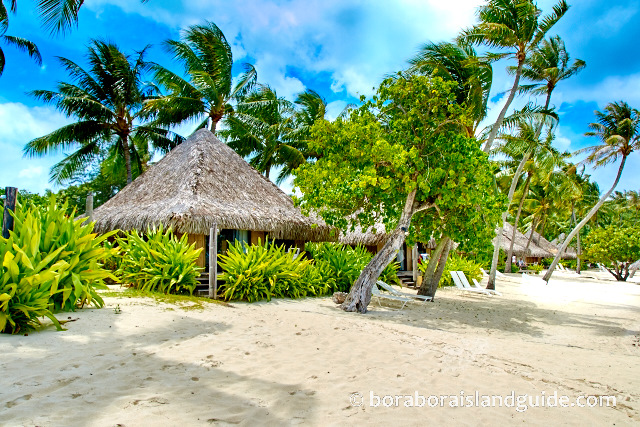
[107, 101]
[618, 129]
[402, 153]
[158, 261]
[516, 26]
[58, 16]
[209, 91]
[18, 42]
[616, 248]
[264, 128]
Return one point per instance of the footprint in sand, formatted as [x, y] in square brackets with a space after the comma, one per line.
[17, 401]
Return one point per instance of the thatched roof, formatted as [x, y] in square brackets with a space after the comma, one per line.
[374, 235]
[521, 243]
[539, 247]
[201, 182]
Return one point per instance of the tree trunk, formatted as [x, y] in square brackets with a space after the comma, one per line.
[574, 221]
[543, 224]
[431, 267]
[360, 293]
[503, 112]
[496, 251]
[507, 268]
[533, 229]
[127, 157]
[586, 219]
[442, 262]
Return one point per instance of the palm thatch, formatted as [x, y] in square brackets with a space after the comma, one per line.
[520, 243]
[373, 236]
[201, 182]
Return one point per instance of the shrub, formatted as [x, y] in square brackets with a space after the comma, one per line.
[158, 261]
[537, 268]
[50, 263]
[265, 271]
[341, 264]
[615, 247]
[455, 262]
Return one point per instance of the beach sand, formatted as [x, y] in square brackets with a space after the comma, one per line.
[300, 361]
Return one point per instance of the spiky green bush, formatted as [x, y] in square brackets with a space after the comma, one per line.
[50, 262]
[158, 261]
[455, 262]
[341, 265]
[265, 271]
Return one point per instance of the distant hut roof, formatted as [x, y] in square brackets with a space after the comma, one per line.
[201, 182]
[520, 244]
[372, 236]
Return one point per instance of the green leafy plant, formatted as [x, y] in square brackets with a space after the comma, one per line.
[537, 268]
[455, 262]
[50, 262]
[615, 247]
[265, 271]
[341, 265]
[158, 261]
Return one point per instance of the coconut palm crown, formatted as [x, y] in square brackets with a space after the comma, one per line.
[107, 101]
[516, 26]
[208, 89]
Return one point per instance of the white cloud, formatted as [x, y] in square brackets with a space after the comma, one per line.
[612, 88]
[20, 124]
[356, 42]
[31, 172]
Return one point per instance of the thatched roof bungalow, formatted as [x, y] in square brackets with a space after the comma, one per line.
[203, 182]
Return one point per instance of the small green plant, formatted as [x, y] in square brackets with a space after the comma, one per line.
[158, 261]
[341, 265]
[116, 309]
[455, 262]
[265, 271]
[536, 268]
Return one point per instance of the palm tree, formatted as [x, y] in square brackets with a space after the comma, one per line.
[548, 63]
[514, 25]
[264, 128]
[460, 63]
[17, 42]
[540, 156]
[618, 128]
[207, 58]
[107, 101]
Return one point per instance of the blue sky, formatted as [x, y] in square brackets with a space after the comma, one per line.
[341, 49]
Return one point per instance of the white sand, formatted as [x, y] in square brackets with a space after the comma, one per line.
[293, 362]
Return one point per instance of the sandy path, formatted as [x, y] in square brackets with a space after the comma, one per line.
[293, 362]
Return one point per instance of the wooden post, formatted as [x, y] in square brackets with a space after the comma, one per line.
[11, 195]
[89, 206]
[213, 262]
[414, 262]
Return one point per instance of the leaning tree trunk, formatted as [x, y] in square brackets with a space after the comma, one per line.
[360, 293]
[586, 219]
[574, 221]
[507, 268]
[503, 112]
[435, 280]
[534, 224]
[496, 250]
[425, 288]
[127, 157]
